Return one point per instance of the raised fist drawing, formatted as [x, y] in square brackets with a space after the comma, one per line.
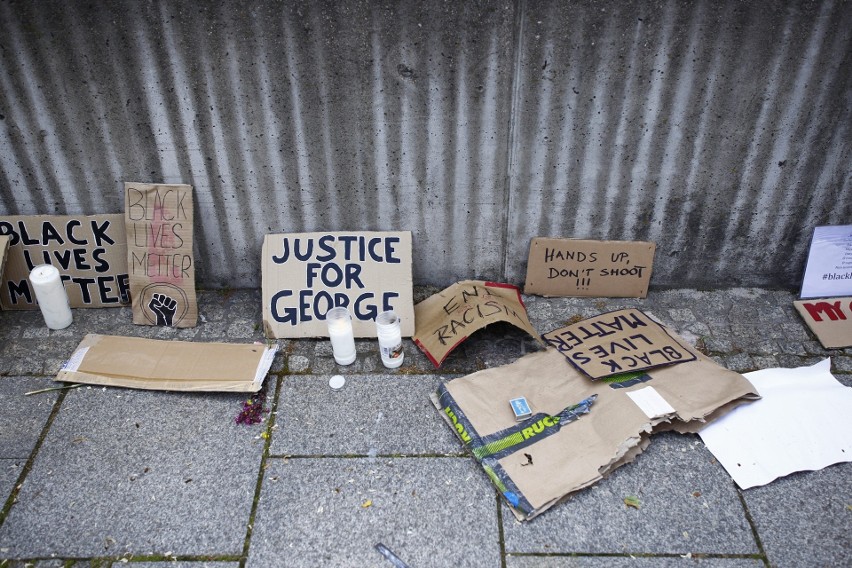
[165, 307]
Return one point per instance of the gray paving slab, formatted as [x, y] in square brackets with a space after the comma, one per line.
[10, 470]
[688, 504]
[22, 417]
[180, 564]
[138, 472]
[628, 562]
[805, 519]
[436, 512]
[371, 414]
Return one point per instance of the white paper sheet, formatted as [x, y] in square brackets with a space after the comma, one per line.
[803, 422]
[651, 402]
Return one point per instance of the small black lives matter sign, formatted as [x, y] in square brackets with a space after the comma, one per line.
[158, 219]
[90, 252]
[617, 342]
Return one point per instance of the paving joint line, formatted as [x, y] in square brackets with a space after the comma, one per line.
[753, 526]
[362, 456]
[500, 534]
[270, 425]
[13, 497]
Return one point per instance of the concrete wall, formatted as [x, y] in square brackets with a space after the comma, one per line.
[718, 129]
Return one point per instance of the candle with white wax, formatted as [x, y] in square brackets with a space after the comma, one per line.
[390, 339]
[340, 332]
[51, 296]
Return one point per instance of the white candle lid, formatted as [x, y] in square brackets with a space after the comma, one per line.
[44, 273]
[336, 382]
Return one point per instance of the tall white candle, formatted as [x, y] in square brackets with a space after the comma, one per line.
[389, 335]
[342, 338]
[51, 296]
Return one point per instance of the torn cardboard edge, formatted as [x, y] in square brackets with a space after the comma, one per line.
[4, 248]
[153, 364]
[588, 268]
[446, 319]
[829, 319]
[612, 433]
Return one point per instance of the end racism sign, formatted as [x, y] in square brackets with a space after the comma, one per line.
[617, 342]
[89, 251]
[601, 269]
[306, 274]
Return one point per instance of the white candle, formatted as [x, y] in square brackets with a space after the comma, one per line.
[51, 296]
[340, 332]
[390, 339]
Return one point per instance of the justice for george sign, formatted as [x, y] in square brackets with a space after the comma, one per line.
[617, 342]
[307, 274]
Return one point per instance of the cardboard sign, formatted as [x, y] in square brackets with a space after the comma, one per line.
[623, 341]
[306, 274]
[828, 272]
[449, 317]
[580, 430]
[168, 365]
[830, 320]
[158, 219]
[89, 251]
[604, 269]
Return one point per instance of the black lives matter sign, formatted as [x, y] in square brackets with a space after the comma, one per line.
[617, 342]
[89, 251]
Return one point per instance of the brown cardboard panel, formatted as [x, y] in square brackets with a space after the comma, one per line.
[574, 267]
[90, 252]
[306, 274]
[168, 365]
[830, 320]
[159, 223]
[447, 318]
[622, 341]
[566, 455]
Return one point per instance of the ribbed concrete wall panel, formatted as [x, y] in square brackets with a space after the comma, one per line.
[720, 130]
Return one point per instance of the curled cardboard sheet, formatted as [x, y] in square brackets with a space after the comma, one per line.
[557, 458]
[152, 364]
[447, 318]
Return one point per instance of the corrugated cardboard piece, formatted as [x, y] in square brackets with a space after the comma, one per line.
[306, 274]
[829, 319]
[622, 341]
[90, 252]
[168, 365]
[575, 267]
[447, 318]
[158, 219]
[580, 429]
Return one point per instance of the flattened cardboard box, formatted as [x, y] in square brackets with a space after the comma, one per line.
[621, 341]
[152, 364]
[447, 318]
[90, 252]
[159, 223]
[306, 274]
[601, 269]
[565, 459]
[830, 320]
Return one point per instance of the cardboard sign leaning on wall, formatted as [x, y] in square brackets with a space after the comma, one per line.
[90, 252]
[306, 274]
[158, 220]
[601, 269]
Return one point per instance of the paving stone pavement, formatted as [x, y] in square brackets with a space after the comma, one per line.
[102, 477]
